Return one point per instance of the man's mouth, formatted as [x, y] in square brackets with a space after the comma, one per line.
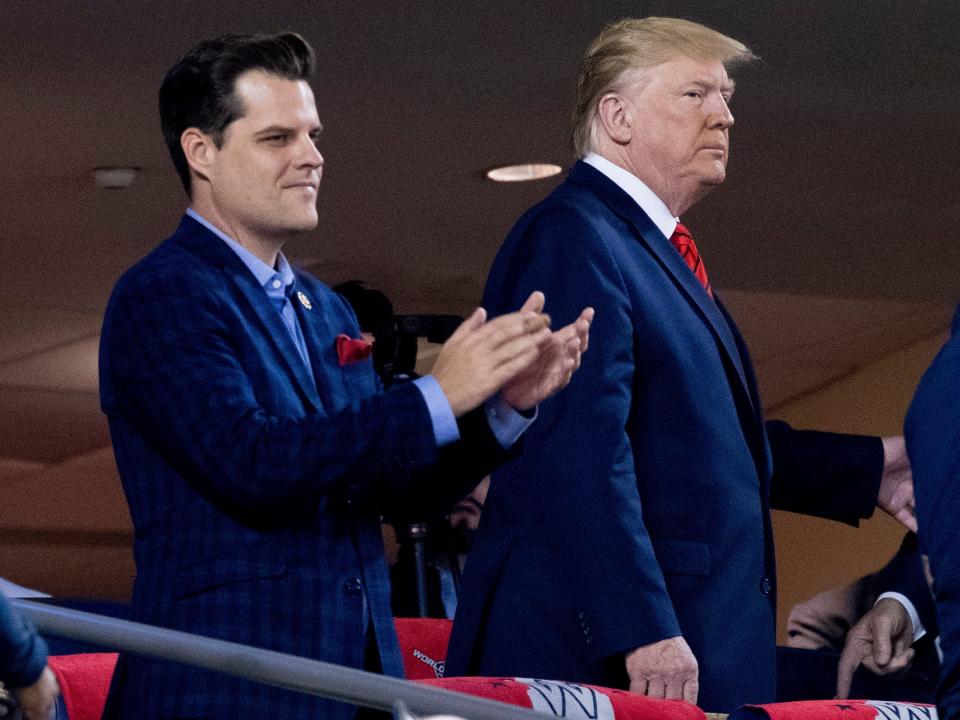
[305, 184]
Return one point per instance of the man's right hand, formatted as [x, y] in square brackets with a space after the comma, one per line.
[480, 356]
[37, 701]
[881, 640]
[664, 669]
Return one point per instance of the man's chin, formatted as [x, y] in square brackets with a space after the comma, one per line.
[712, 179]
[289, 229]
[717, 173]
[305, 223]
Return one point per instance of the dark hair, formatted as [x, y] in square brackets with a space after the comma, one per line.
[198, 91]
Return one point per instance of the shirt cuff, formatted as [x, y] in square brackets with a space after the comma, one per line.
[445, 430]
[918, 629]
[506, 423]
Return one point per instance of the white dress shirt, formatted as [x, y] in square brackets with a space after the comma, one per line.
[633, 186]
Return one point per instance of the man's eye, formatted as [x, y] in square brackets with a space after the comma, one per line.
[275, 139]
[693, 93]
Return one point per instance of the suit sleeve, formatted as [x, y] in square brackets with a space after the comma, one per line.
[829, 475]
[431, 491]
[579, 450]
[23, 655]
[170, 366]
[904, 574]
[461, 466]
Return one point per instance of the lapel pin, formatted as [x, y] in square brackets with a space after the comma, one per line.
[304, 300]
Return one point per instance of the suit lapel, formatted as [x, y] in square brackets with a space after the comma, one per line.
[273, 327]
[744, 355]
[208, 246]
[763, 454]
[668, 257]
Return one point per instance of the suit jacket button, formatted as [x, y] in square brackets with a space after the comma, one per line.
[766, 586]
[353, 586]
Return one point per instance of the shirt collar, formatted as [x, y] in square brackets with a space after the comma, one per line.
[633, 186]
[264, 274]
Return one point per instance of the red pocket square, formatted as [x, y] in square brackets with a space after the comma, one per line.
[351, 350]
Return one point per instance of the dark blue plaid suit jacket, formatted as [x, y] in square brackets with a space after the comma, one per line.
[255, 489]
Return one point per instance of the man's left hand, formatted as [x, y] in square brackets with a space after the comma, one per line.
[558, 360]
[896, 486]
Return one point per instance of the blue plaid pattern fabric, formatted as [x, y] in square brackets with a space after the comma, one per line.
[256, 490]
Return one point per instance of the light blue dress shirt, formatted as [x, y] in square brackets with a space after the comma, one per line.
[506, 423]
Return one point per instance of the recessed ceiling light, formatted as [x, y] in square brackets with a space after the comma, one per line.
[523, 173]
[114, 178]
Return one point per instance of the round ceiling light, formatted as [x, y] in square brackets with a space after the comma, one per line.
[114, 178]
[524, 172]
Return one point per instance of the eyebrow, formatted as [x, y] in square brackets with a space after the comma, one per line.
[283, 130]
[727, 86]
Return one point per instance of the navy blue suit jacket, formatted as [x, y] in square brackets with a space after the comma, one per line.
[932, 431]
[255, 488]
[639, 509]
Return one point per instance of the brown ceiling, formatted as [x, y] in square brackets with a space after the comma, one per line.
[832, 239]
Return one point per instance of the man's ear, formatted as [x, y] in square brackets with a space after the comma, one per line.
[615, 118]
[199, 150]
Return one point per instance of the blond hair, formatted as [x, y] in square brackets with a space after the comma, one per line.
[635, 43]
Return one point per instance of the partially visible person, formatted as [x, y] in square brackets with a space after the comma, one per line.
[883, 621]
[432, 547]
[23, 665]
[932, 431]
[445, 543]
[825, 620]
[465, 517]
[890, 641]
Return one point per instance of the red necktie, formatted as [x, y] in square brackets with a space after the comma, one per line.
[683, 242]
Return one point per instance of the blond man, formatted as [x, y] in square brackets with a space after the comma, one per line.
[630, 545]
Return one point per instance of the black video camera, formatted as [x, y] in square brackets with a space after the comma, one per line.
[395, 349]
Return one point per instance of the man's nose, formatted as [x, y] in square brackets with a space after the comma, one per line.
[309, 155]
[721, 117]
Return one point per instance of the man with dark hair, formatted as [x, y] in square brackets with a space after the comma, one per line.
[199, 90]
[23, 666]
[253, 440]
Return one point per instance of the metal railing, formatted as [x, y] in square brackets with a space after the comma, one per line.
[266, 666]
